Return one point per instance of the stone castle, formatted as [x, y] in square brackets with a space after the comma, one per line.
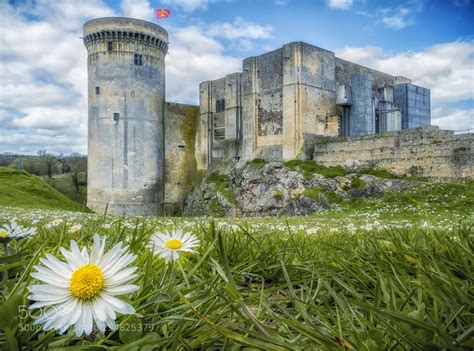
[299, 101]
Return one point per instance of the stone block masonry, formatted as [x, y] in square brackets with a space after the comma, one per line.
[126, 90]
[426, 152]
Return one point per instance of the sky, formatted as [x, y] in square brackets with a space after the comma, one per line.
[43, 62]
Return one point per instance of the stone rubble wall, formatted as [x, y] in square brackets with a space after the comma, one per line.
[426, 152]
[180, 162]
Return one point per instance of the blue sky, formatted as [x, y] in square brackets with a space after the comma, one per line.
[43, 62]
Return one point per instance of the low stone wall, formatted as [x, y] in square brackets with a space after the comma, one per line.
[427, 152]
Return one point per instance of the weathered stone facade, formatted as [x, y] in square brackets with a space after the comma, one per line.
[180, 161]
[425, 152]
[145, 154]
[141, 149]
[284, 99]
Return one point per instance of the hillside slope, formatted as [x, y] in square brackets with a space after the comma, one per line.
[21, 189]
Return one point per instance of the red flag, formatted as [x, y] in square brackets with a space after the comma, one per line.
[162, 13]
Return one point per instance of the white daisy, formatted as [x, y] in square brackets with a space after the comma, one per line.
[75, 228]
[14, 231]
[169, 245]
[82, 290]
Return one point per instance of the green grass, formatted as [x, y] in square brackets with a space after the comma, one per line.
[357, 183]
[310, 167]
[257, 162]
[390, 272]
[18, 188]
[312, 192]
[222, 184]
[261, 288]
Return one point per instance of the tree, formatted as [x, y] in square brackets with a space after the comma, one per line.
[77, 164]
[48, 160]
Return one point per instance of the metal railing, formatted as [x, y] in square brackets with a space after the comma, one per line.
[463, 131]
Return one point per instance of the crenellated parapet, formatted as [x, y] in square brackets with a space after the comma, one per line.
[120, 34]
[123, 41]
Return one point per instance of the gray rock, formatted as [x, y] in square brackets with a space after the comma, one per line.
[275, 190]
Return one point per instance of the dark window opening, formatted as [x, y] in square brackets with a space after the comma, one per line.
[220, 105]
[219, 133]
[109, 46]
[181, 146]
[138, 59]
[97, 90]
[116, 116]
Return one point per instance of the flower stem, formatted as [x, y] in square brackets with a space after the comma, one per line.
[183, 273]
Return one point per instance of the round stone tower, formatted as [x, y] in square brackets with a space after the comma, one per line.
[126, 86]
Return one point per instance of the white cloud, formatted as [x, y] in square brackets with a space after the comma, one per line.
[444, 68]
[188, 5]
[140, 9]
[400, 19]
[43, 69]
[340, 4]
[194, 57]
[68, 14]
[239, 29]
[401, 16]
[43, 75]
[452, 118]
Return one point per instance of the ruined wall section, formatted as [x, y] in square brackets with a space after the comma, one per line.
[262, 113]
[427, 152]
[181, 171]
[219, 130]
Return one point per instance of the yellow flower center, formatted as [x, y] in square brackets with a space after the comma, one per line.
[174, 244]
[87, 282]
[3, 233]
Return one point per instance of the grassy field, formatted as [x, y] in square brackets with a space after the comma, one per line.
[387, 273]
[21, 189]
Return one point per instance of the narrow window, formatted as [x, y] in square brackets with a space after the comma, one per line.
[109, 46]
[220, 105]
[138, 59]
[97, 90]
[116, 116]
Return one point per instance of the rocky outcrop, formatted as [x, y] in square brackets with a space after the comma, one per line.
[275, 188]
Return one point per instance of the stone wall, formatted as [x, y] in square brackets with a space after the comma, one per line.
[426, 152]
[345, 69]
[180, 161]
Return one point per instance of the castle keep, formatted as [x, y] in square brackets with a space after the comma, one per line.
[132, 131]
[144, 153]
[285, 99]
